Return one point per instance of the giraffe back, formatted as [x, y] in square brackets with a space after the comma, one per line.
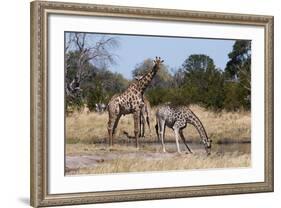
[171, 114]
[127, 102]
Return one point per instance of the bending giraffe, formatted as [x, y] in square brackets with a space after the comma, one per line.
[130, 102]
[177, 119]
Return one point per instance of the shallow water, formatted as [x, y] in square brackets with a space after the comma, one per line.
[242, 148]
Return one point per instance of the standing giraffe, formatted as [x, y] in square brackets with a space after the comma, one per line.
[177, 119]
[130, 102]
[145, 114]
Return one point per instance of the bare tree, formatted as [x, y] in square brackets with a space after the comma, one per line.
[89, 49]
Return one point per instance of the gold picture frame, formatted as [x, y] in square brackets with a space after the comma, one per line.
[39, 103]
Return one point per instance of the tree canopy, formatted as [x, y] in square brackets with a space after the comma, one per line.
[90, 80]
[203, 81]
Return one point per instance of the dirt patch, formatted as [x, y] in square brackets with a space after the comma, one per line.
[98, 158]
[82, 161]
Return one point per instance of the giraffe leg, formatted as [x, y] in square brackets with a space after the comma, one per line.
[157, 132]
[110, 127]
[110, 137]
[136, 126]
[177, 126]
[142, 125]
[184, 141]
[164, 132]
[115, 126]
[176, 131]
[161, 125]
[143, 122]
[148, 124]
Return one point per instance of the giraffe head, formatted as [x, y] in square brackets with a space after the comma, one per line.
[157, 62]
[146, 79]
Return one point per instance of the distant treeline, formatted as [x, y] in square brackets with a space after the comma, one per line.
[197, 81]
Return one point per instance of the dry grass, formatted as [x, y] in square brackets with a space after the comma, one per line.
[187, 162]
[87, 151]
[223, 127]
[141, 165]
[126, 159]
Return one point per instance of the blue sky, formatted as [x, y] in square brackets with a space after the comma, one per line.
[133, 50]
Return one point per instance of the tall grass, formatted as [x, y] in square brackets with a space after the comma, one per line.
[222, 127]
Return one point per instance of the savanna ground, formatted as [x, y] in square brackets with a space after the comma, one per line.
[87, 150]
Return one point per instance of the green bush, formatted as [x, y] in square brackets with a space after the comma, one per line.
[236, 97]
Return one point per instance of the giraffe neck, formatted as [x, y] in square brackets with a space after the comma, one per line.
[194, 120]
[147, 78]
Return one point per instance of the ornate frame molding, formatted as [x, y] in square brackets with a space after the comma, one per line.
[39, 103]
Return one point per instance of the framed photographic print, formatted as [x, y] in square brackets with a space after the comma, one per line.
[143, 103]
